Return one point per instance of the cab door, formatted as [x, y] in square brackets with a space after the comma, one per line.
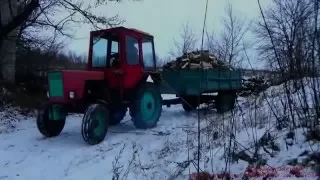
[113, 72]
[104, 55]
[133, 69]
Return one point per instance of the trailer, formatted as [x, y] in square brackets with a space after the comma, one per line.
[194, 87]
[120, 61]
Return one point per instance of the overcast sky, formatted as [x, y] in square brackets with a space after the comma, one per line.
[164, 18]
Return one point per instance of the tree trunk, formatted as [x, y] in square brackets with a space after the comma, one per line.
[8, 42]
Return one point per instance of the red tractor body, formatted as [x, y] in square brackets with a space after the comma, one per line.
[119, 63]
[119, 58]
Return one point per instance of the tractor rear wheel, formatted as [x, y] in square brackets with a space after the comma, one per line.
[48, 126]
[95, 124]
[146, 107]
[117, 115]
[225, 101]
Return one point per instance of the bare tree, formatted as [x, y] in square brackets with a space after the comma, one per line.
[288, 35]
[228, 45]
[54, 18]
[46, 12]
[290, 24]
[186, 41]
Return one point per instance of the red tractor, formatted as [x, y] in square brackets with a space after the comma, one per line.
[120, 61]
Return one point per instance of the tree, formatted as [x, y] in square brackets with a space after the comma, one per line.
[33, 17]
[288, 34]
[44, 13]
[186, 42]
[287, 39]
[228, 45]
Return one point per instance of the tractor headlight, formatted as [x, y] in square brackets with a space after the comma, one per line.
[71, 95]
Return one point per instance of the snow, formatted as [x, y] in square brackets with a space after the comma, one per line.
[25, 154]
[159, 153]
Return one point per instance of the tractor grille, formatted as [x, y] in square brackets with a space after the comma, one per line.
[55, 84]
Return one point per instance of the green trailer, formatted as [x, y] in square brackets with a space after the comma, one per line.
[211, 85]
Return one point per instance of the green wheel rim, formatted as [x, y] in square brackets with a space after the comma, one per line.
[100, 126]
[148, 107]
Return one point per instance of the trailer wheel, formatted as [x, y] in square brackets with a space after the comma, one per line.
[47, 126]
[186, 107]
[146, 108]
[189, 104]
[225, 101]
[95, 124]
[117, 115]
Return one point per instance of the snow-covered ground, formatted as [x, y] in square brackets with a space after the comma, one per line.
[168, 151]
[25, 154]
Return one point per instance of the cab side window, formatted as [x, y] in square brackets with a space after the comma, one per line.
[114, 55]
[147, 53]
[132, 50]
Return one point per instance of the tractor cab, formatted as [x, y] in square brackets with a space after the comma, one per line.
[123, 54]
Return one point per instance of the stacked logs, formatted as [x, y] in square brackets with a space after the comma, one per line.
[253, 85]
[197, 60]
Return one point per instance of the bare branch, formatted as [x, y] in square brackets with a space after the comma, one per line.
[19, 19]
[186, 42]
[227, 45]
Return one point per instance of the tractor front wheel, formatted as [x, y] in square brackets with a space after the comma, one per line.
[47, 124]
[95, 124]
[146, 107]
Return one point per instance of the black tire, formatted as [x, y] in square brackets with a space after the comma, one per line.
[225, 101]
[147, 117]
[91, 121]
[46, 126]
[117, 115]
[186, 107]
[189, 104]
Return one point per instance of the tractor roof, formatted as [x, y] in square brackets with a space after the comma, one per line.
[121, 28]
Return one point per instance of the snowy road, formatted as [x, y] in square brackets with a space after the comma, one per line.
[25, 154]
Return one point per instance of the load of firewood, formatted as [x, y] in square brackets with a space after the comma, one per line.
[197, 60]
[253, 85]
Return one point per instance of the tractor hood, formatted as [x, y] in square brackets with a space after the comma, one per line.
[67, 85]
[84, 74]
